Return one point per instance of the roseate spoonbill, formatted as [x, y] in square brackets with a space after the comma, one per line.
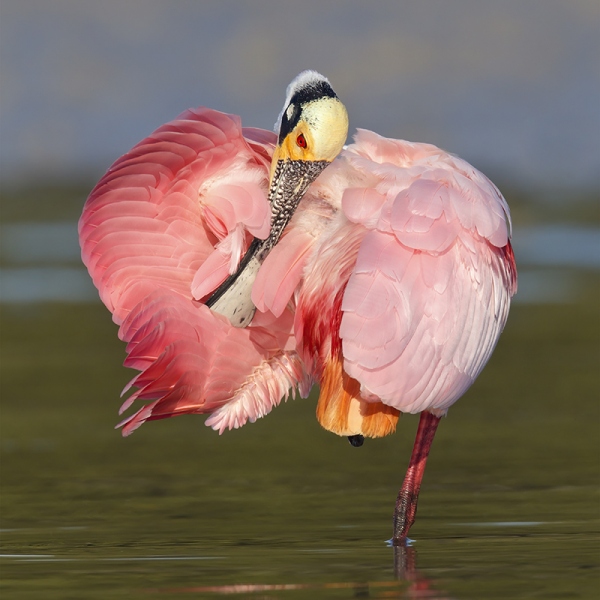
[389, 287]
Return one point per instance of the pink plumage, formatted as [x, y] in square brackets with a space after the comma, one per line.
[390, 286]
[432, 272]
[161, 214]
[427, 296]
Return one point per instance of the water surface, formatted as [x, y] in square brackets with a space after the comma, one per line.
[283, 509]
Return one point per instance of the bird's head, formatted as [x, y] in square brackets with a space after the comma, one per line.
[313, 126]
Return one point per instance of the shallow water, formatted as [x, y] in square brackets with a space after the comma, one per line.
[282, 509]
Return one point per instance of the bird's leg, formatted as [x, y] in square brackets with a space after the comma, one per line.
[406, 504]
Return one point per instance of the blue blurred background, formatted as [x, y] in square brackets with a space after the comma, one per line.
[511, 86]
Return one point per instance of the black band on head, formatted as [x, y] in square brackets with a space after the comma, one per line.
[307, 93]
[288, 123]
[314, 90]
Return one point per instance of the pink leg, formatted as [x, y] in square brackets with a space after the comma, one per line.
[406, 504]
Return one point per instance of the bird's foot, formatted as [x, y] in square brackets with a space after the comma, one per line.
[404, 514]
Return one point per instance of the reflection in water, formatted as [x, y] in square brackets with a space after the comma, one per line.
[376, 589]
[405, 569]
[409, 583]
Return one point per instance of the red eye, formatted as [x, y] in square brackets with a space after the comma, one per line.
[301, 141]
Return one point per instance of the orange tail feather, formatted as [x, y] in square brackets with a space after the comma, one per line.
[341, 410]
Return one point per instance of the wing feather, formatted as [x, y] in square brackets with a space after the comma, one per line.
[429, 294]
[144, 220]
[150, 226]
[281, 272]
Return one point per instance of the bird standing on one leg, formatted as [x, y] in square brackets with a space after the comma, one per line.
[241, 266]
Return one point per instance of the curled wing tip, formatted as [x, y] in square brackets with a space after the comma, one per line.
[131, 423]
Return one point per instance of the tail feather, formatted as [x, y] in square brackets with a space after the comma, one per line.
[341, 409]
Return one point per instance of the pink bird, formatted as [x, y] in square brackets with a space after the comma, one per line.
[242, 266]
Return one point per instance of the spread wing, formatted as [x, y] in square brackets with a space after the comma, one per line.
[159, 212]
[163, 228]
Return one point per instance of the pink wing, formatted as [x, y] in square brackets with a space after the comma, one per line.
[163, 228]
[157, 214]
[429, 293]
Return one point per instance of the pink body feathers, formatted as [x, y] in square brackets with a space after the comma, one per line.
[397, 268]
[389, 286]
[420, 260]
